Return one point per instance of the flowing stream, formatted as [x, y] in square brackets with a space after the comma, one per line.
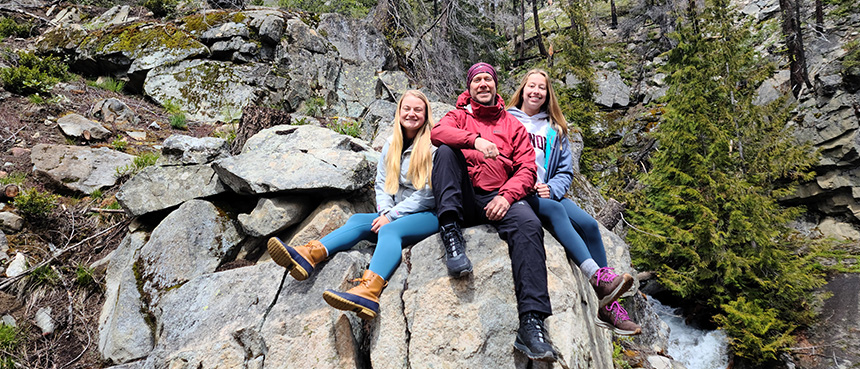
[695, 348]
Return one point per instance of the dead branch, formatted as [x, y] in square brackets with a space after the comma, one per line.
[9, 281]
[10, 10]
[110, 211]
[438, 19]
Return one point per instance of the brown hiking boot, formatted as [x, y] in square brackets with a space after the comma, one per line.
[300, 260]
[615, 318]
[362, 299]
[610, 286]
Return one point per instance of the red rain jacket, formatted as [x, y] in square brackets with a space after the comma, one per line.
[513, 172]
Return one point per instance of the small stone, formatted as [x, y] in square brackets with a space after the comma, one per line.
[17, 266]
[8, 320]
[137, 135]
[48, 122]
[11, 221]
[44, 321]
[37, 135]
[3, 174]
[154, 125]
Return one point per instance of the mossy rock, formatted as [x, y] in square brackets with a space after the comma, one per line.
[206, 90]
[146, 46]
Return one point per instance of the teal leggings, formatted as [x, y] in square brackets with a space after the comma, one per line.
[406, 230]
[577, 231]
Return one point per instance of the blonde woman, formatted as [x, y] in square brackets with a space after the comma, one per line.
[405, 213]
[536, 106]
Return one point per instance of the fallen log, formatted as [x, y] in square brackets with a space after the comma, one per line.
[11, 191]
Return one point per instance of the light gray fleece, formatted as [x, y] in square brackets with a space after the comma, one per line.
[408, 199]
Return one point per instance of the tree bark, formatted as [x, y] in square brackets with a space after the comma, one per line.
[611, 213]
[614, 23]
[522, 28]
[791, 28]
[537, 28]
[256, 119]
[10, 191]
[819, 16]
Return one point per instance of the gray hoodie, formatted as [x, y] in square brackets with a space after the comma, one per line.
[408, 199]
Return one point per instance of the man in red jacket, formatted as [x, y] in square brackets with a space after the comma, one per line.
[484, 167]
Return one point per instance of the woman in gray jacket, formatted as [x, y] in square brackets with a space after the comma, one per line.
[404, 204]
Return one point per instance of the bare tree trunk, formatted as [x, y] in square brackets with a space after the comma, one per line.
[614, 14]
[522, 29]
[537, 28]
[819, 16]
[794, 45]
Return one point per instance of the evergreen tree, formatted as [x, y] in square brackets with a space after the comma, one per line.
[710, 222]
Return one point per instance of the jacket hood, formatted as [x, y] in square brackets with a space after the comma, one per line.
[523, 117]
[464, 101]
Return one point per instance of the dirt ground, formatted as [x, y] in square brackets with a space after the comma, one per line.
[73, 239]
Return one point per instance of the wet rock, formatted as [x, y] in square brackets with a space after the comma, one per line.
[76, 125]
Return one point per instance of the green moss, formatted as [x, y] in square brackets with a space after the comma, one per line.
[137, 39]
[199, 23]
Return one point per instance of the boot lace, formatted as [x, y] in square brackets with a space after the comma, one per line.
[618, 312]
[451, 237]
[535, 328]
[604, 274]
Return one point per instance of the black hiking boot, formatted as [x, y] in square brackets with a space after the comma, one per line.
[533, 340]
[455, 250]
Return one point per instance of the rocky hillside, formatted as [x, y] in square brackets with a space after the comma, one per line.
[234, 125]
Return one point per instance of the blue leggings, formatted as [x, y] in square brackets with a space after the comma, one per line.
[577, 231]
[405, 230]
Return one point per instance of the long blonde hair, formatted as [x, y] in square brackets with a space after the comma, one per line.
[421, 163]
[551, 105]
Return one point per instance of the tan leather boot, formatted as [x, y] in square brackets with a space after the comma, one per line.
[362, 299]
[300, 260]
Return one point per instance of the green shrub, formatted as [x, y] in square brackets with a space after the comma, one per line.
[352, 8]
[9, 27]
[97, 194]
[35, 204]
[314, 106]
[84, 276]
[8, 337]
[178, 121]
[109, 84]
[44, 276]
[119, 143]
[13, 178]
[138, 163]
[346, 127]
[160, 8]
[33, 74]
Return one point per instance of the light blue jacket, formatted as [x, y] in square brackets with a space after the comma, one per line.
[559, 158]
[408, 199]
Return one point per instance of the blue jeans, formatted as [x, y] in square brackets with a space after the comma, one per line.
[577, 231]
[406, 230]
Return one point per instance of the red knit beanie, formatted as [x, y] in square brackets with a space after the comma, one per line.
[481, 68]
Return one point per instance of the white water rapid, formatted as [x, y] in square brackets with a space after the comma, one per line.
[695, 348]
